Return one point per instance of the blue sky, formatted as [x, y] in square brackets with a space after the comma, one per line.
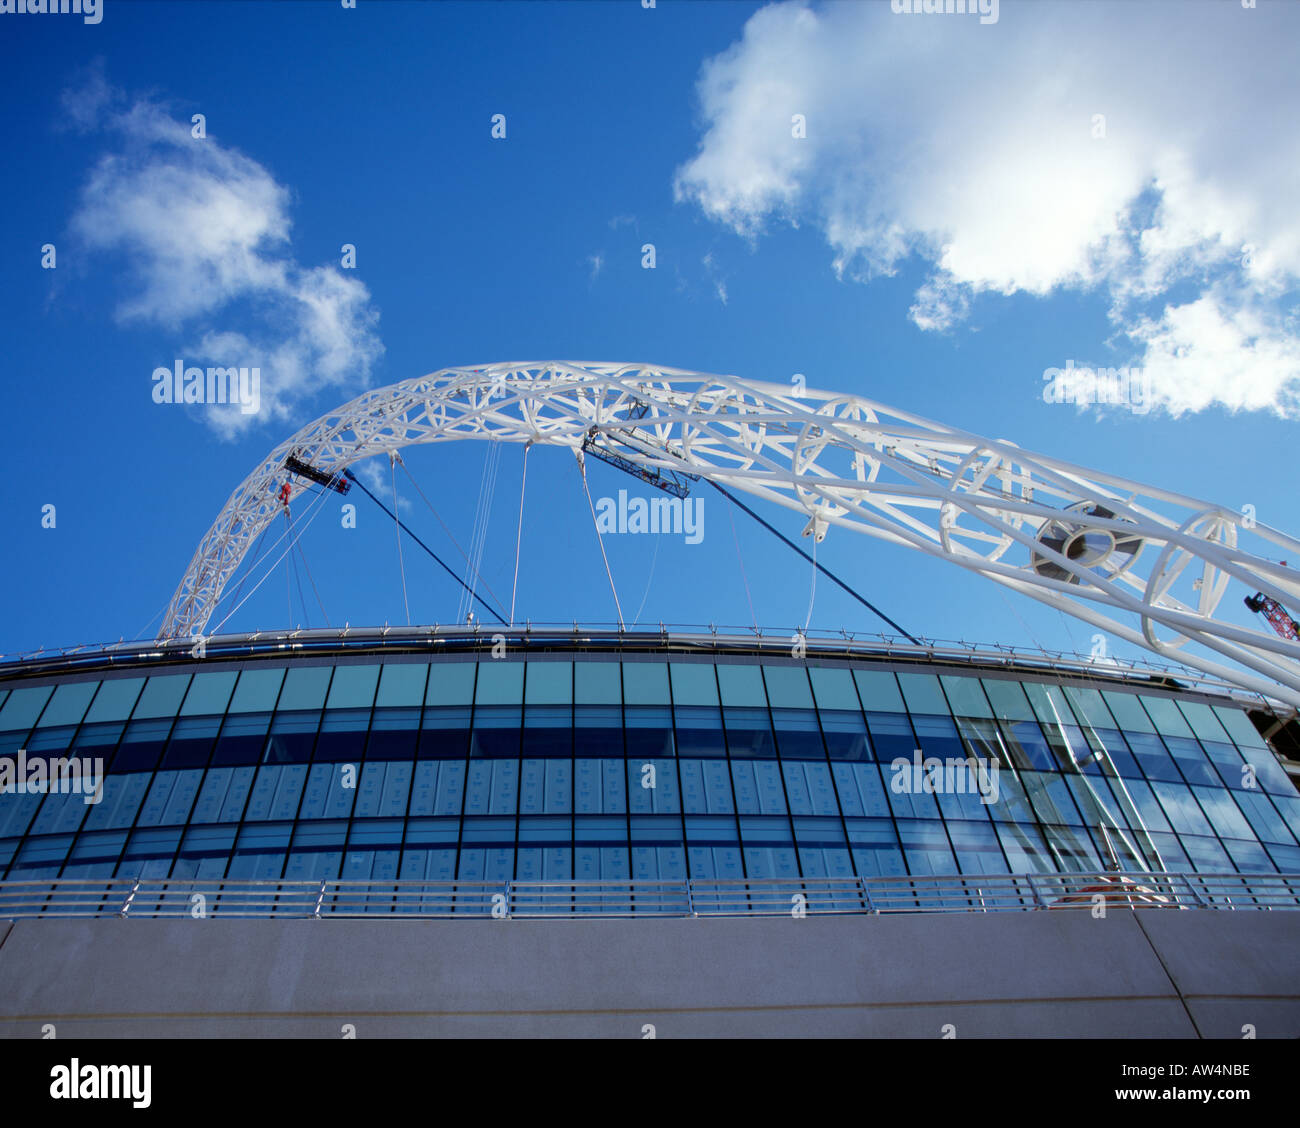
[952, 226]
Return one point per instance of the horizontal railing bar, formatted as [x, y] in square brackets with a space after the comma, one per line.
[61, 898]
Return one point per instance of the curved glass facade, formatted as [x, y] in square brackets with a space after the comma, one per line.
[587, 767]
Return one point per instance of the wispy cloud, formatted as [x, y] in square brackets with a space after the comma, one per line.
[1147, 162]
[378, 479]
[595, 264]
[203, 235]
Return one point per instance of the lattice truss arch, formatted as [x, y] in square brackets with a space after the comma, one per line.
[1084, 541]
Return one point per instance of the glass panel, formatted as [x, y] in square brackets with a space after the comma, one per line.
[450, 683]
[833, 688]
[209, 694]
[342, 734]
[645, 683]
[162, 696]
[256, 691]
[141, 746]
[500, 683]
[787, 687]
[876, 852]
[292, 738]
[922, 693]
[977, 847]
[67, 706]
[845, 734]
[113, 702]
[393, 733]
[241, 740]
[445, 734]
[401, 684]
[699, 731]
[694, 683]
[749, 733]
[1203, 721]
[1164, 713]
[798, 736]
[1154, 757]
[1244, 734]
[1223, 813]
[966, 696]
[741, 685]
[304, 687]
[1049, 704]
[860, 789]
[191, 742]
[597, 683]
[1182, 809]
[549, 683]
[353, 687]
[1008, 700]
[879, 691]
[1128, 711]
[1192, 760]
[1089, 707]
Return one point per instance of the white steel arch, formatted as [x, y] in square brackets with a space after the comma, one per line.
[1087, 542]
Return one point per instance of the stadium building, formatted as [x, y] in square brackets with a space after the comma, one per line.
[465, 830]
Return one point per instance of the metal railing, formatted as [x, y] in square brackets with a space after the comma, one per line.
[987, 893]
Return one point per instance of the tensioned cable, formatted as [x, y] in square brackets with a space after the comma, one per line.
[315, 512]
[744, 579]
[397, 532]
[812, 595]
[483, 518]
[310, 579]
[297, 579]
[820, 567]
[450, 536]
[351, 477]
[288, 599]
[649, 580]
[600, 540]
[318, 497]
[519, 533]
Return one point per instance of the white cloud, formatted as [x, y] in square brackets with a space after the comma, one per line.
[202, 228]
[1129, 148]
[378, 479]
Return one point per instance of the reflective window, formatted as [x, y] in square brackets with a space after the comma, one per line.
[67, 705]
[114, 701]
[450, 683]
[401, 685]
[162, 696]
[352, 687]
[694, 683]
[966, 696]
[304, 688]
[742, 686]
[922, 693]
[878, 690]
[787, 687]
[549, 683]
[209, 693]
[257, 691]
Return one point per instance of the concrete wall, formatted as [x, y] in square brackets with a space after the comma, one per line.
[1152, 973]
